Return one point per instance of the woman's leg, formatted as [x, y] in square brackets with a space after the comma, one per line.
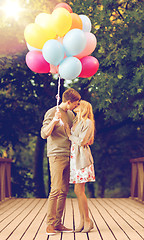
[82, 201]
[83, 207]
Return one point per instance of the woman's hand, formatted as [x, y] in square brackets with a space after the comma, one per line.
[67, 129]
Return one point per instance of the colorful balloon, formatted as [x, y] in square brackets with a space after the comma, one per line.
[70, 68]
[45, 21]
[62, 21]
[35, 35]
[64, 5]
[54, 69]
[61, 42]
[76, 21]
[74, 42]
[36, 62]
[86, 23]
[91, 43]
[53, 52]
[90, 66]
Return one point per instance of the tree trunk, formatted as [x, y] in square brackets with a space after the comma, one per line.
[102, 184]
[91, 190]
[38, 168]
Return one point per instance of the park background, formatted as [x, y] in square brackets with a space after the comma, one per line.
[116, 92]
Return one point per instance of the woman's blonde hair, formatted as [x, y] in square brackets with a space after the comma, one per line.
[86, 112]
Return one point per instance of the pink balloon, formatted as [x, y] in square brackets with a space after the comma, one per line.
[90, 65]
[64, 5]
[54, 69]
[36, 62]
[90, 45]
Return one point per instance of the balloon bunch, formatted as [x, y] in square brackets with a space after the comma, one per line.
[61, 43]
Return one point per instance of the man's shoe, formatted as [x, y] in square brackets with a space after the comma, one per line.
[50, 230]
[62, 228]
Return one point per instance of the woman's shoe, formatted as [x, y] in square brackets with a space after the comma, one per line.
[80, 228]
[88, 227]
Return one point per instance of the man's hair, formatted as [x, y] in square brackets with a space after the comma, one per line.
[71, 94]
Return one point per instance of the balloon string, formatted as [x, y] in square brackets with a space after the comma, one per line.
[58, 94]
[58, 98]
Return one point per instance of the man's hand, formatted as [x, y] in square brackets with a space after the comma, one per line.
[57, 116]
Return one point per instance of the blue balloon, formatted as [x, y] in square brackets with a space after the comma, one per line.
[53, 52]
[86, 23]
[74, 42]
[70, 68]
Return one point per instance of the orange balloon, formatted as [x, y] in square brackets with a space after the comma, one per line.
[76, 21]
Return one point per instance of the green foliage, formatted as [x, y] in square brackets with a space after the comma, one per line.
[117, 90]
[22, 182]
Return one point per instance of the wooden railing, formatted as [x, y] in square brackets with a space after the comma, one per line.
[5, 178]
[137, 179]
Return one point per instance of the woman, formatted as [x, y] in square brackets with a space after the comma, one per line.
[81, 165]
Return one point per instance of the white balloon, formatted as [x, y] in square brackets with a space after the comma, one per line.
[70, 68]
[74, 42]
[86, 23]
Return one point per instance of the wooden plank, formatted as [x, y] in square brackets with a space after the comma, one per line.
[134, 221]
[137, 204]
[114, 219]
[134, 187]
[13, 221]
[7, 204]
[129, 204]
[141, 181]
[108, 224]
[41, 232]
[5, 178]
[130, 227]
[11, 208]
[36, 223]
[16, 210]
[78, 236]
[68, 220]
[134, 213]
[25, 224]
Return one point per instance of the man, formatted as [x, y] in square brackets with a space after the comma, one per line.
[58, 151]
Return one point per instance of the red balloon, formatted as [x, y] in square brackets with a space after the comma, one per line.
[64, 5]
[90, 65]
[36, 62]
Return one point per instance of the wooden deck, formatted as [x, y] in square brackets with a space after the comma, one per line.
[114, 219]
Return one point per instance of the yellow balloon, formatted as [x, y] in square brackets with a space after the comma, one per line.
[62, 21]
[45, 21]
[35, 35]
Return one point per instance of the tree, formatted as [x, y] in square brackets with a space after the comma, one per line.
[116, 91]
[25, 97]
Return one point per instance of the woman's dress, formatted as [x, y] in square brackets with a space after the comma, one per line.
[83, 175]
